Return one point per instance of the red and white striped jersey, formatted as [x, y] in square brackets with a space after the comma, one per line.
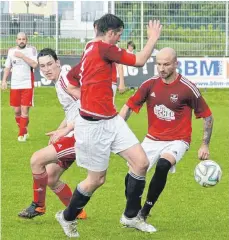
[169, 107]
[22, 74]
[69, 103]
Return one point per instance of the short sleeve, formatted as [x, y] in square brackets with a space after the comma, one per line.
[198, 104]
[118, 55]
[8, 61]
[136, 101]
[73, 76]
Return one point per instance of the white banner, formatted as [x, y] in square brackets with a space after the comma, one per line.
[205, 72]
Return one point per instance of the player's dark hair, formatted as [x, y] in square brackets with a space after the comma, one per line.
[95, 23]
[131, 43]
[109, 22]
[47, 52]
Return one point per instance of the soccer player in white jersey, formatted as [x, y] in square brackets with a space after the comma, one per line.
[170, 99]
[21, 60]
[49, 163]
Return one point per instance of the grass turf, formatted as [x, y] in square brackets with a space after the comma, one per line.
[185, 210]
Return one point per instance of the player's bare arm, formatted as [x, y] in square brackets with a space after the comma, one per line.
[29, 61]
[63, 124]
[153, 32]
[57, 134]
[73, 90]
[208, 125]
[4, 79]
[121, 87]
[203, 152]
[125, 112]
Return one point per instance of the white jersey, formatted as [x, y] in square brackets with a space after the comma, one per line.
[22, 73]
[69, 103]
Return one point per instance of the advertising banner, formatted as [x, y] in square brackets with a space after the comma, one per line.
[204, 72]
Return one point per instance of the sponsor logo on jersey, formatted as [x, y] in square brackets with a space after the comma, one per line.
[164, 113]
[173, 98]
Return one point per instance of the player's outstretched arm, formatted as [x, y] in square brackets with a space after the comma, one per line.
[125, 112]
[203, 152]
[153, 32]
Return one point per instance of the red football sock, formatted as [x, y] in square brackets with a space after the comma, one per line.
[23, 125]
[64, 193]
[40, 182]
[18, 118]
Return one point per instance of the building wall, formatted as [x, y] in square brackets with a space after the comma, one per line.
[17, 7]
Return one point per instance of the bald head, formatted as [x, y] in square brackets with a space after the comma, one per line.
[21, 40]
[166, 60]
[167, 53]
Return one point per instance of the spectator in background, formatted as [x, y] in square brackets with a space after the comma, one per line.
[130, 49]
[21, 60]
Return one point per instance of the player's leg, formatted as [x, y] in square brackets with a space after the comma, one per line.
[93, 154]
[24, 121]
[61, 189]
[127, 146]
[15, 103]
[66, 156]
[170, 154]
[80, 198]
[26, 103]
[135, 183]
[38, 161]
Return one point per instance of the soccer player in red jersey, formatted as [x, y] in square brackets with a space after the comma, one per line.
[50, 162]
[21, 60]
[170, 99]
[99, 129]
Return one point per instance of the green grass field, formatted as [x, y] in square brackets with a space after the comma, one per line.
[185, 210]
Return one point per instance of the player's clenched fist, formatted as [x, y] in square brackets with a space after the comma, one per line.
[154, 29]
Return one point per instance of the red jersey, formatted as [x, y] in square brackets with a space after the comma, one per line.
[169, 108]
[95, 78]
[114, 74]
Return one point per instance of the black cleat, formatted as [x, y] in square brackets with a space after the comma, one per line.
[32, 211]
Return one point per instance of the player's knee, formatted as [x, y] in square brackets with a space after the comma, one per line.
[100, 181]
[96, 182]
[52, 180]
[163, 165]
[141, 165]
[35, 160]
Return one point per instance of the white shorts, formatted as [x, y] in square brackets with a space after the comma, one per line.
[114, 88]
[154, 150]
[95, 140]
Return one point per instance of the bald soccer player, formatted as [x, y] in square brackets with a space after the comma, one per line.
[170, 99]
[21, 60]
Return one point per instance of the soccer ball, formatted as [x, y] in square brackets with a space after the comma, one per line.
[207, 173]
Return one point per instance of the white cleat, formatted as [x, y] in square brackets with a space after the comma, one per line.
[26, 135]
[21, 138]
[137, 223]
[68, 227]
